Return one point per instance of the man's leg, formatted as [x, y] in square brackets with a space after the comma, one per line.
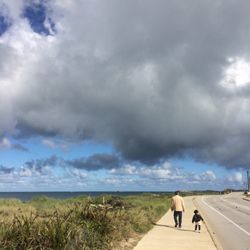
[175, 218]
[180, 218]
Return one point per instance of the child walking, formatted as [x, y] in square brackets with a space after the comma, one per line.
[197, 219]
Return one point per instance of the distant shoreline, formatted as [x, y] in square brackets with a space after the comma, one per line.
[25, 196]
[28, 195]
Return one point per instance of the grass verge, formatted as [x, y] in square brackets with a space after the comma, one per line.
[81, 223]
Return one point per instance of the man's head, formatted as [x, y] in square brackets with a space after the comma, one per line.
[177, 192]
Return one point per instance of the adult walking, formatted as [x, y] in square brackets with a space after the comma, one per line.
[177, 205]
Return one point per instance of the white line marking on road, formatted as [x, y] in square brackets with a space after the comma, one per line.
[242, 229]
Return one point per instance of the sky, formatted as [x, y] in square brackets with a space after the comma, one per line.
[135, 95]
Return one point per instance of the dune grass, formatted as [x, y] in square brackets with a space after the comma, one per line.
[77, 223]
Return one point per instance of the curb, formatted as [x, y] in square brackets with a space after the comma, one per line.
[246, 199]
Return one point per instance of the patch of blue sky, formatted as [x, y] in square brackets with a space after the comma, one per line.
[100, 173]
[4, 24]
[11, 158]
[195, 167]
[89, 148]
[14, 156]
[36, 13]
[64, 149]
[8, 158]
[36, 149]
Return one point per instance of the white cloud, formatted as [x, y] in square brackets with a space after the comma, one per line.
[49, 143]
[152, 90]
[55, 144]
[160, 172]
[127, 169]
[25, 172]
[112, 181]
[15, 8]
[163, 171]
[208, 176]
[236, 177]
[78, 173]
[5, 143]
[166, 174]
[237, 74]
[118, 181]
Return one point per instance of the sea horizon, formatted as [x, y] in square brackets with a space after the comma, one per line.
[28, 195]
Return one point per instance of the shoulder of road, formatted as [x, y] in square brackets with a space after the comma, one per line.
[247, 198]
[165, 236]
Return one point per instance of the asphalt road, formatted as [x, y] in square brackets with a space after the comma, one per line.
[229, 218]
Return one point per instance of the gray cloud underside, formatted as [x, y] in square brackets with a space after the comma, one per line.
[20, 147]
[143, 75]
[39, 164]
[91, 163]
[95, 162]
[6, 170]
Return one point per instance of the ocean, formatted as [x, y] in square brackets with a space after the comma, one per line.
[25, 196]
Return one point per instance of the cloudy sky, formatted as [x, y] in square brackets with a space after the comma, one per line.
[124, 95]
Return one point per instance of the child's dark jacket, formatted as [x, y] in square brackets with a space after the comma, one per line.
[197, 218]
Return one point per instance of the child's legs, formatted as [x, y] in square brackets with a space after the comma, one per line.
[198, 225]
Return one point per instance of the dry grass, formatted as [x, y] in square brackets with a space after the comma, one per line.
[79, 224]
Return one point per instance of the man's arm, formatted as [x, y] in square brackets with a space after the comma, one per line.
[183, 205]
[172, 204]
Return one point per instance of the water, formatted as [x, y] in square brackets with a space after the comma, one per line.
[25, 196]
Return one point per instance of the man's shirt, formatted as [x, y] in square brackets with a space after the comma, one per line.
[177, 203]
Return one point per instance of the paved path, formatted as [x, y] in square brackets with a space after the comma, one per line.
[164, 236]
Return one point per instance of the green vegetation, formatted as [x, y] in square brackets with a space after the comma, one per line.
[78, 223]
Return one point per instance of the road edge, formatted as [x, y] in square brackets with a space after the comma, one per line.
[208, 227]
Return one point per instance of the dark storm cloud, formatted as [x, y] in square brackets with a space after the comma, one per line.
[232, 153]
[24, 130]
[142, 75]
[95, 162]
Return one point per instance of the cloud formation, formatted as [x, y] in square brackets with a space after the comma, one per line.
[144, 76]
[91, 163]
[6, 170]
[163, 176]
[5, 143]
[95, 162]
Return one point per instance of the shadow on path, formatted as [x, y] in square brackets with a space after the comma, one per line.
[178, 229]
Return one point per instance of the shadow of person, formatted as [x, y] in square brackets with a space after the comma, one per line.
[161, 225]
[176, 228]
